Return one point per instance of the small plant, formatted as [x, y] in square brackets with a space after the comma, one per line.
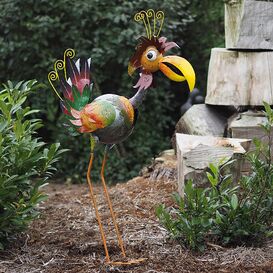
[25, 162]
[224, 213]
[191, 221]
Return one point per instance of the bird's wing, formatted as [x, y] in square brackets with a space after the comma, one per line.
[96, 115]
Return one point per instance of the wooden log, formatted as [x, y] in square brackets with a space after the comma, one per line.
[247, 125]
[239, 78]
[248, 24]
[195, 153]
[202, 119]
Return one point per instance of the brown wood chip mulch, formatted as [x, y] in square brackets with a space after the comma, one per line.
[66, 237]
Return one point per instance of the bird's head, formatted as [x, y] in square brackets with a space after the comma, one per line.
[150, 56]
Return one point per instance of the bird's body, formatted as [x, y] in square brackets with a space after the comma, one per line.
[122, 114]
[109, 118]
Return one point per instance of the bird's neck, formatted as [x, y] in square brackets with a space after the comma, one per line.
[137, 99]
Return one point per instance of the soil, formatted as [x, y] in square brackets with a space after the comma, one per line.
[66, 237]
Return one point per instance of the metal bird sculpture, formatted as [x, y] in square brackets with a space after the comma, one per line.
[110, 118]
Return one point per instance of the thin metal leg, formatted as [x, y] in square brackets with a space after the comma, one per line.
[94, 201]
[110, 204]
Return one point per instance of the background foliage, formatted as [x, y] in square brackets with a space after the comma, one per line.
[35, 33]
[25, 162]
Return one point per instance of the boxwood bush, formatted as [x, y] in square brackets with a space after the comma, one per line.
[25, 161]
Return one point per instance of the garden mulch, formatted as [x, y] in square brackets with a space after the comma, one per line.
[66, 237]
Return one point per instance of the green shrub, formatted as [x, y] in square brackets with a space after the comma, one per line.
[224, 213]
[25, 162]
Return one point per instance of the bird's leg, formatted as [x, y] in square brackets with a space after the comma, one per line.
[94, 200]
[110, 203]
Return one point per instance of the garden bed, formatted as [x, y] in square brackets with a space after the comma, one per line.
[66, 238]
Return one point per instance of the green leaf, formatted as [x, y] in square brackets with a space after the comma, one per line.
[214, 169]
[211, 179]
[18, 129]
[18, 85]
[52, 150]
[234, 201]
[4, 109]
[218, 218]
[3, 125]
[31, 112]
[10, 85]
[267, 108]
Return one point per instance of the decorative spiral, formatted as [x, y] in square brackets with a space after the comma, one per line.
[70, 53]
[160, 17]
[53, 76]
[145, 16]
[142, 15]
[59, 65]
[151, 13]
[139, 16]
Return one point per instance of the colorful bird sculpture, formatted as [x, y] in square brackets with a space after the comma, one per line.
[110, 118]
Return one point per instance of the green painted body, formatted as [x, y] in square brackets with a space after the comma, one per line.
[121, 126]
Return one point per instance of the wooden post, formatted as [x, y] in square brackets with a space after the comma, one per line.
[240, 78]
[248, 24]
[194, 153]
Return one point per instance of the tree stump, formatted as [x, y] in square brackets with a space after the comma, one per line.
[248, 24]
[240, 78]
[195, 153]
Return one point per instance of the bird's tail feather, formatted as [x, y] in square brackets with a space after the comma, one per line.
[74, 82]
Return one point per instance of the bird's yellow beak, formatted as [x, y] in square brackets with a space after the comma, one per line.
[178, 69]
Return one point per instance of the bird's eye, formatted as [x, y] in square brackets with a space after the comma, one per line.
[151, 55]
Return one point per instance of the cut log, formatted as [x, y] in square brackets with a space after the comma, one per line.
[240, 78]
[248, 25]
[247, 125]
[195, 153]
[202, 119]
